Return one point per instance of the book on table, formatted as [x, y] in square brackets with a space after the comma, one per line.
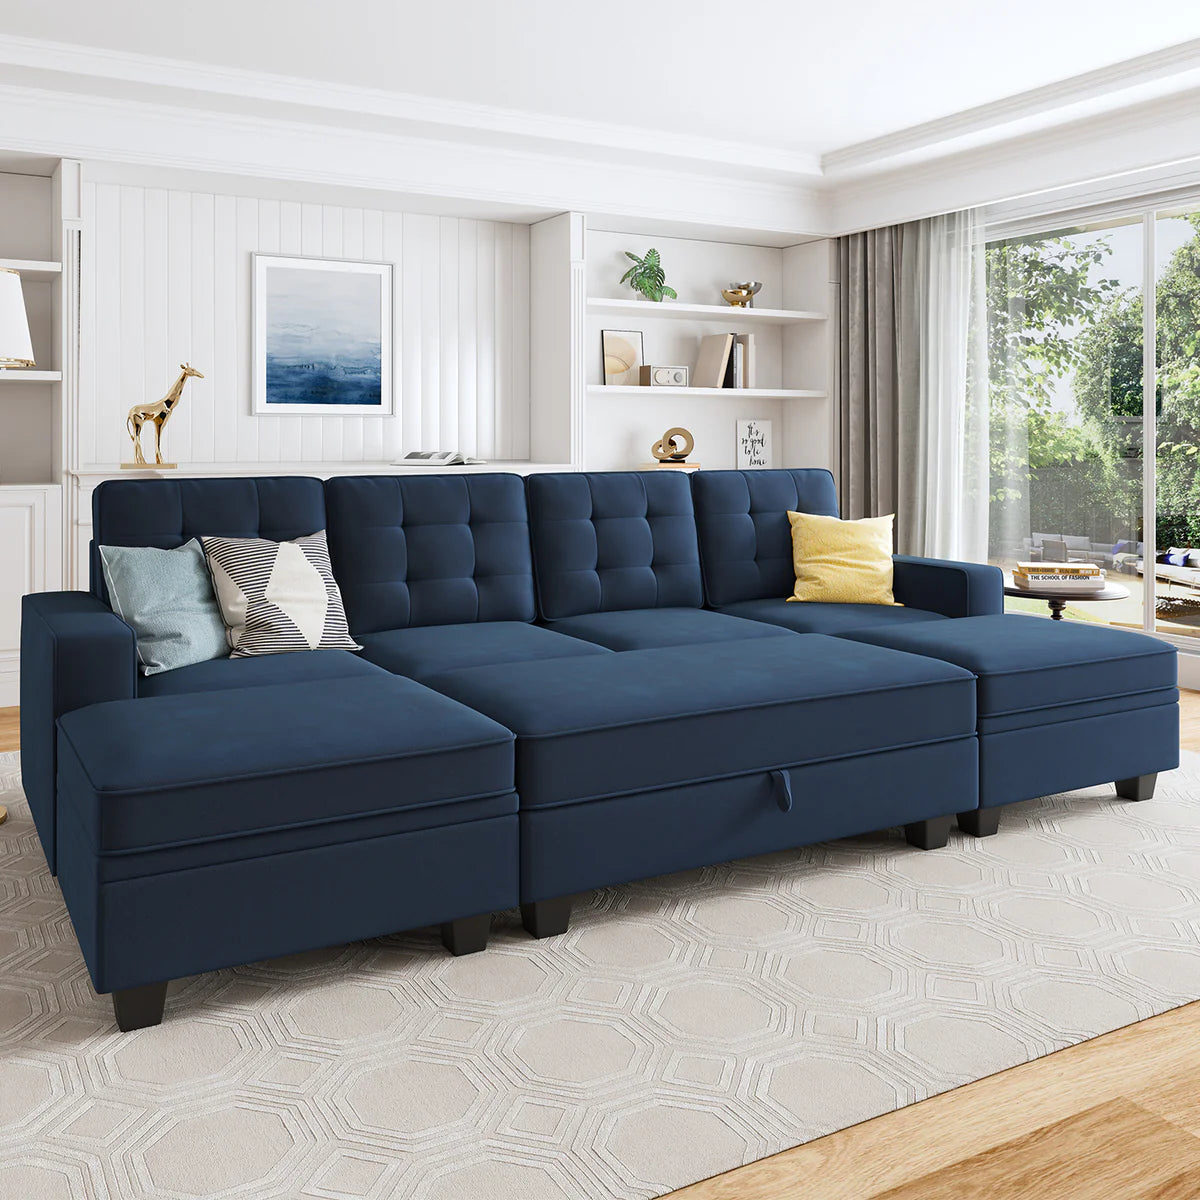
[1059, 568]
[1055, 581]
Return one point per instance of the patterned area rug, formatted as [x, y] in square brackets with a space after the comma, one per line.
[684, 1026]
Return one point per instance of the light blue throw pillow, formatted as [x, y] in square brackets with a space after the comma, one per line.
[167, 597]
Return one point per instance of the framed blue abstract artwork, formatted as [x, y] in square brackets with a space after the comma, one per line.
[322, 336]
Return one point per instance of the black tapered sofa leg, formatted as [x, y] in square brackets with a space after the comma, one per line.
[931, 834]
[1140, 787]
[139, 1007]
[547, 918]
[467, 935]
[980, 822]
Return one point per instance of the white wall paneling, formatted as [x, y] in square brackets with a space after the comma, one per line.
[168, 279]
[31, 553]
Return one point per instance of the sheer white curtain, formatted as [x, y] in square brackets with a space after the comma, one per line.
[949, 474]
[912, 399]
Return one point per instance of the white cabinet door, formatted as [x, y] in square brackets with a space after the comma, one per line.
[30, 561]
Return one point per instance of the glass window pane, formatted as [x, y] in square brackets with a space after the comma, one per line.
[1177, 457]
[1065, 395]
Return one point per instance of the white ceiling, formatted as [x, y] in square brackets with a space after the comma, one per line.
[796, 79]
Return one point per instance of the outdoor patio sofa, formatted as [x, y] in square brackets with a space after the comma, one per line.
[566, 682]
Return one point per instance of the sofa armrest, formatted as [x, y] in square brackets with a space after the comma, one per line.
[75, 651]
[954, 589]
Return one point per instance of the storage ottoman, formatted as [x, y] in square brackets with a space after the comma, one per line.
[1062, 705]
[206, 830]
[650, 761]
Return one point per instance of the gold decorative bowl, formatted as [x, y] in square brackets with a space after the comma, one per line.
[738, 297]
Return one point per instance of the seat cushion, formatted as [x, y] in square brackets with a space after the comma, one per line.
[815, 617]
[221, 674]
[430, 549]
[435, 648]
[594, 727]
[614, 540]
[1030, 664]
[649, 628]
[171, 770]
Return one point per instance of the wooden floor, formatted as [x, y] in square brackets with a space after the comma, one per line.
[1116, 1118]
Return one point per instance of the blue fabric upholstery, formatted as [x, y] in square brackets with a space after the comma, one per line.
[223, 674]
[432, 649]
[1032, 663]
[649, 628]
[745, 537]
[1061, 705]
[74, 652]
[617, 540]
[271, 757]
[169, 512]
[954, 589]
[816, 617]
[430, 549]
[576, 846]
[594, 727]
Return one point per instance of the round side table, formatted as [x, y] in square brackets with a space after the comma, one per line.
[1059, 600]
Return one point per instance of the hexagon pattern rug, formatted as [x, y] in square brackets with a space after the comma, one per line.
[684, 1025]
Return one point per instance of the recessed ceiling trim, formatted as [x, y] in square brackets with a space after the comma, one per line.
[1048, 104]
[404, 109]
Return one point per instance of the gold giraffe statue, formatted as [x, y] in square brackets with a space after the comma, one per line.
[158, 414]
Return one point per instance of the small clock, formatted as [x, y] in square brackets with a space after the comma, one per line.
[663, 376]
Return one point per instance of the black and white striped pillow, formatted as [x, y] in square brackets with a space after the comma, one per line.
[277, 597]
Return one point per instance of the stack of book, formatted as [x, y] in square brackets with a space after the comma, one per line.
[725, 360]
[1059, 577]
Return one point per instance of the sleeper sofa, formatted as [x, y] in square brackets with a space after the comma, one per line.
[565, 682]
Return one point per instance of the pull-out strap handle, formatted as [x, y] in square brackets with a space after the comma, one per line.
[783, 790]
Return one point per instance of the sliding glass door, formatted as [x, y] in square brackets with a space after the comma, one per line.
[1065, 318]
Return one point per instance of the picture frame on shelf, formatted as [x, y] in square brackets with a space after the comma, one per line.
[322, 337]
[623, 354]
[755, 446]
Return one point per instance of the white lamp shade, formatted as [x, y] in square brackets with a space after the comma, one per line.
[16, 349]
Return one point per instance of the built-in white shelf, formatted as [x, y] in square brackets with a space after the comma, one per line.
[32, 269]
[725, 313]
[609, 389]
[519, 467]
[24, 375]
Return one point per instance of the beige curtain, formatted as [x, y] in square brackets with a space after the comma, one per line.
[909, 428]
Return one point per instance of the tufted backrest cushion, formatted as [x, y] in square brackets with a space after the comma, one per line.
[614, 540]
[430, 549]
[745, 536]
[169, 512]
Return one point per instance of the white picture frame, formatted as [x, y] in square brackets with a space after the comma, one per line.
[322, 329]
[755, 446]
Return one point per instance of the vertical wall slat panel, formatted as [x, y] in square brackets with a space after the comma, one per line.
[468, 390]
[518, 401]
[485, 347]
[504, 329]
[178, 347]
[225, 332]
[169, 275]
[248, 425]
[446, 398]
[204, 350]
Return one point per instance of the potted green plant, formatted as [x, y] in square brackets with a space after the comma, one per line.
[646, 276]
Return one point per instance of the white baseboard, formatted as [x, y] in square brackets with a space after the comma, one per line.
[1189, 671]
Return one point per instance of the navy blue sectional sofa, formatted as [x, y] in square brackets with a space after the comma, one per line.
[566, 682]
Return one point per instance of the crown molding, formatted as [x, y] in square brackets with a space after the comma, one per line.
[1167, 70]
[1161, 135]
[399, 112]
[492, 180]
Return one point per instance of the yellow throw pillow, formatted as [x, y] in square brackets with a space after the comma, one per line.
[842, 562]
